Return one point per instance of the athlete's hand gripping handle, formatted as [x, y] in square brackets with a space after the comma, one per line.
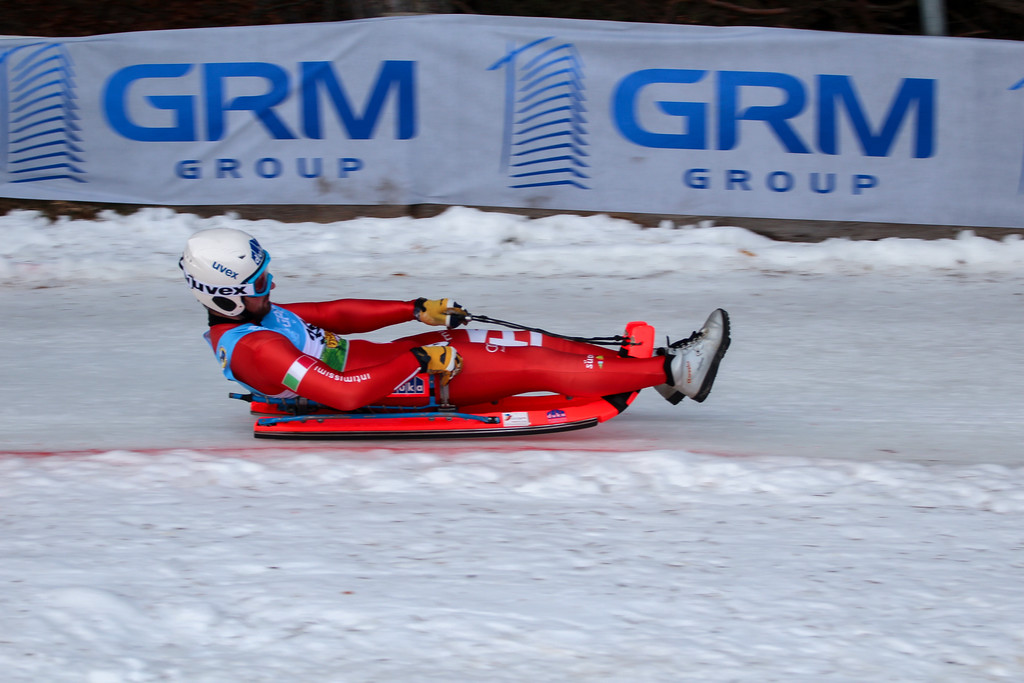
[438, 359]
[440, 312]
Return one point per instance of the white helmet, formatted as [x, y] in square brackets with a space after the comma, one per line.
[223, 265]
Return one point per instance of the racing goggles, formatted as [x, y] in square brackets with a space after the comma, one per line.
[259, 283]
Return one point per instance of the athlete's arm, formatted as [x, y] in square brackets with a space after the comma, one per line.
[265, 360]
[354, 316]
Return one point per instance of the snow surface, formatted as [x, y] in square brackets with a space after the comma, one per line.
[845, 507]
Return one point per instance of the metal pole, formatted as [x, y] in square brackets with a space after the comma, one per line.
[933, 17]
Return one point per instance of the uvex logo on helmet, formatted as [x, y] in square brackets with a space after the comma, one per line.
[232, 290]
[224, 269]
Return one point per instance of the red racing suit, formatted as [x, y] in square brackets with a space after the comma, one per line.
[300, 350]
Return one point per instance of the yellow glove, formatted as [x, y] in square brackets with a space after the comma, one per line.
[443, 361]
[440, 312]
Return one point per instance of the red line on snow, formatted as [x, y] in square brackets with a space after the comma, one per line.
[440, 447]
[318, 448]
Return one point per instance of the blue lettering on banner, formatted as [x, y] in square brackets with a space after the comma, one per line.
[267, 167]
[396, 75]
[695, 113]
[834, 93]
[212, 105]
[777, 181]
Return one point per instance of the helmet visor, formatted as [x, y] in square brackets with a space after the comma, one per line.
[258, 284]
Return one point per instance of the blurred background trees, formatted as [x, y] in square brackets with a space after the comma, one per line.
[1001, 19]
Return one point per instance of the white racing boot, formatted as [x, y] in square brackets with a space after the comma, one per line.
[691, 364]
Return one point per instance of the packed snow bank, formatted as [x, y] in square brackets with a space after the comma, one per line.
[467, 242]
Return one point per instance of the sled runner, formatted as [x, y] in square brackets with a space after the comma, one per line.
[426, 413]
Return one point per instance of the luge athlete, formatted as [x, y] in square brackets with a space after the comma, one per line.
[301, 349]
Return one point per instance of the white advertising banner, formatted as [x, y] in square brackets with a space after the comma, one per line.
[521, 112]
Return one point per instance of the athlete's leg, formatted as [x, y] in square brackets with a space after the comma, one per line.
[362, 353]
[493, 372]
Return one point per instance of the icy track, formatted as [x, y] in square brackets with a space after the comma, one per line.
[845, 507]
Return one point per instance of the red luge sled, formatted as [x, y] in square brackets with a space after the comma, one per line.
[299, 418]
